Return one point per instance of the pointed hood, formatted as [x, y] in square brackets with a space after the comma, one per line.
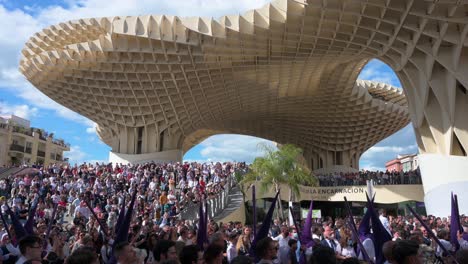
[355, 233]
[454, 222]
[429, 231]
[265, 227]
[364, 229]
[380, 234]
[458, 213]
[20, 232]
[103, 227]
[49, 228]
[122, 235]
[201, 227]
[254, 211]
[306, 234]
[121, 215]
[29, 225]
[302, 257]
[7, 228]
[205, 224]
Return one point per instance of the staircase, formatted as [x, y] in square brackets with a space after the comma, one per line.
[9, 171]
[2, 170]
[235, 210]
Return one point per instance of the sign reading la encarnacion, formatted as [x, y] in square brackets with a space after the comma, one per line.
[386, 194]
[352, 189]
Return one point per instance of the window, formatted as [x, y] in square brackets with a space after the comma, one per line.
[140, 140]
[52, 156]
[161, 141]
[338, 158]
[29, 144]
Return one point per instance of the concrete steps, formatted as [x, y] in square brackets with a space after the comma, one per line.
[235, 211]
[8, 172]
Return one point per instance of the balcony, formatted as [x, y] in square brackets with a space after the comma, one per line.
[61, 143]
[41, 153]
[23, 130]
[18, 148]
[28, 150]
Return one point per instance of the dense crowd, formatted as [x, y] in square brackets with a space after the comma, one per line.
[157, 233]
[377, 177]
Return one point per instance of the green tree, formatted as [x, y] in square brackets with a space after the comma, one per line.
[282, 166]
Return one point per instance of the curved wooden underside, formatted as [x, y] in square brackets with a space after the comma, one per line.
[285, 72]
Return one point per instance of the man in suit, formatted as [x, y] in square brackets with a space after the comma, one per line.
[330, 241]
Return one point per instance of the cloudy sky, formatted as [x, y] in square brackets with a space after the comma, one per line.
[21, 19]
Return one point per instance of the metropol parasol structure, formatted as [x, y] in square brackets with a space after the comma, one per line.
[157, 85]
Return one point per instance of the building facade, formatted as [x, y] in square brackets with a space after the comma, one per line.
[403, 163]
[22, 144]
[409, 162]
[393, 165]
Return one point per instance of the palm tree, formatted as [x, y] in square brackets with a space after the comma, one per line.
[282, 166]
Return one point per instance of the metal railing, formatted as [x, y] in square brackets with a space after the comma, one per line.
[22, 130]
[61, 143]
[215, 204]
[15, 147]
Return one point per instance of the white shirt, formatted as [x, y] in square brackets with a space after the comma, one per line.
[463, 243]
[348, 252]
[447, 246]
[282, 241]
[369, 247]
[337, 245]
[21, 260]
[13, 250]
[84, 211]
[231, 252]
[385, 223]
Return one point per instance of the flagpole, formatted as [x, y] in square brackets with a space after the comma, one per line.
[49, 228]
[355, 233]
[429, 231]
[254, 205]
[265, 227]
[104, 229]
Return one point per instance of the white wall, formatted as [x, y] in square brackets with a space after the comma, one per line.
[442, 175]
[335, 169]
[163, 156]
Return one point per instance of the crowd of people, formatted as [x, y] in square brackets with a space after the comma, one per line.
[89, 199]
[377, 177]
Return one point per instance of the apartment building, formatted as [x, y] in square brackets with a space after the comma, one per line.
[405, 163]
[22, 144]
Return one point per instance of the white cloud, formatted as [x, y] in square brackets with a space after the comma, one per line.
[91, 129]
[24, 111]
[385, 150]
[75, 155]
[226, 147]
[375, 158]
[97, 161]
[370, 167]
[19, 25]
[378, 71]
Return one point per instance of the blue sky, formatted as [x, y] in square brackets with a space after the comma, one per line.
[21, 19]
